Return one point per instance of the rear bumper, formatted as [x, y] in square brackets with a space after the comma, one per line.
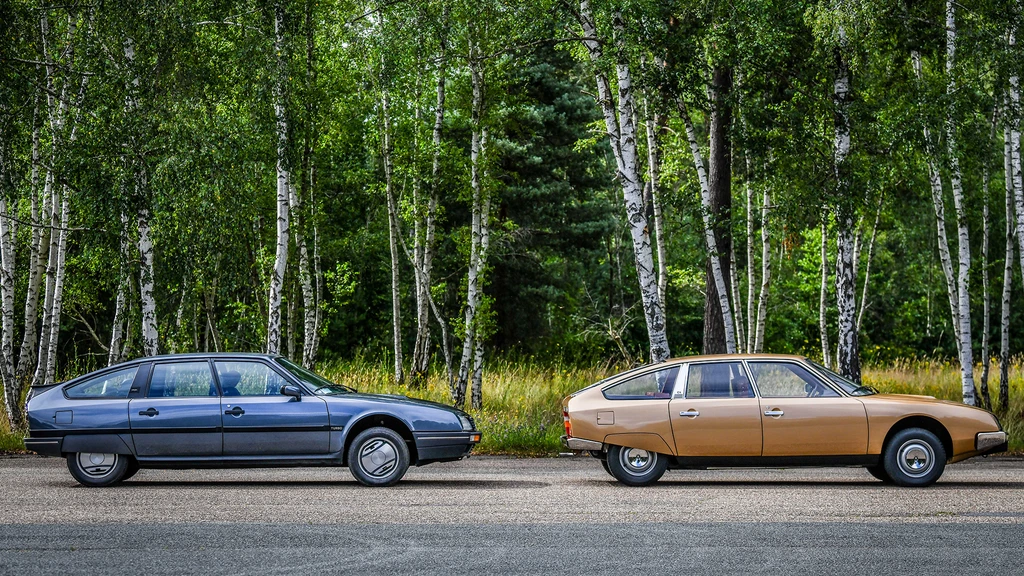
[581, 444]
[991, 442]
[439, 446]
[44, 446]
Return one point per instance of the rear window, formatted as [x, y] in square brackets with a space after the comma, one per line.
[657, 384]
[110, 385]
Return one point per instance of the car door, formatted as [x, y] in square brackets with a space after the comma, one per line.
[260, 421]
[714, 413]
[180, 413]
[803, 416]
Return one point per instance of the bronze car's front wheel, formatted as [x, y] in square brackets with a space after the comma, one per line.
[635, 466]
[914, 457]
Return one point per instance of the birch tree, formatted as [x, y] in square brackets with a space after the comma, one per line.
[623, 138]
[283, 187]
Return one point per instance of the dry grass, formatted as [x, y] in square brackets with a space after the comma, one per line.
[521, 414]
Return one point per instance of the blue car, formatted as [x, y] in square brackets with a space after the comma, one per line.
[236, 410]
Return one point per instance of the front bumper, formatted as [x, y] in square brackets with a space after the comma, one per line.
[581, 444]
[438, 446]
[44, 446]
[991, 442]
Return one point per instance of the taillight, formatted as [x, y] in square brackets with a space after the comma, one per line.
[568, 425]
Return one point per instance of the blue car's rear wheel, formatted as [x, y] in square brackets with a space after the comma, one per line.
[378, 457]
[97, 470]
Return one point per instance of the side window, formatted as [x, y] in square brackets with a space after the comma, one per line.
[181, 379]
[718, 380]
[110, 385]
[245, 378]
[787, 380]
[657, 384]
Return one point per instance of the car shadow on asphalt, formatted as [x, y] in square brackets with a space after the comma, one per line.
[818, 484]
[461, 484]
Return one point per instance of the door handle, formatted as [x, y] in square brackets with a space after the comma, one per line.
[149, 412]
[690, 413]
[236, 411]
[774, 412]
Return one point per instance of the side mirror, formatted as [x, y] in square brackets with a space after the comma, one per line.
[292, 391]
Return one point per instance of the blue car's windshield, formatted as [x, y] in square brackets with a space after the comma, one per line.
[320, 385]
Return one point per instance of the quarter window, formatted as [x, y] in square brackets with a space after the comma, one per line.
[110, 385]
[718, 380]
[657, 384]
[181, 379]
[787, 380]
[244, 378]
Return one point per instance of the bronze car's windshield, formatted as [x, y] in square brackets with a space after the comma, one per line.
[848, 386]
[320, 385]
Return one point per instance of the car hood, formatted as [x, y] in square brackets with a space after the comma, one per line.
[395, 399]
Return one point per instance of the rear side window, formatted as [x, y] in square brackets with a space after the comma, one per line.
[181, 379]
[718, 380]
[110, 385]
[657, 384]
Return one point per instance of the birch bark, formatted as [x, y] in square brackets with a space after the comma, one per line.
[1004, 317]
[710, 242]
[115, 351]
[396, 294]
[477, 396]
[826, 353]
[623, 143]
[963, 239]
[1018, 185]
[653, 125]
[766, 270]
[751, 329]
[37, 266]
[986, 399]
[283, 189]
[12, 391]
[867, 267]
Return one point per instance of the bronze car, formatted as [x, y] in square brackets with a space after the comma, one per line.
[768, 410]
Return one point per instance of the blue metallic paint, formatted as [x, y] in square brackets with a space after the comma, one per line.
[274, 431]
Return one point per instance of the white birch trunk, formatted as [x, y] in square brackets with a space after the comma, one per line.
[766, 273]
[653, 125]
[283, 190]
[623, 143]
[737, 303]
[477, 396]
[115, 351]
[751, 329]
[826, 353]
[422, 361]
[58, 292]
[1018, 185]
[985, 401]
[150, 336]
[12, 397]
[476, 152]
[710, 244]
[37, 267]
[1004, 317]
[396, 294]
[963, 239]
[848, 344]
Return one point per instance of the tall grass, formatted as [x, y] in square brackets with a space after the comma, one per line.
[521, 414]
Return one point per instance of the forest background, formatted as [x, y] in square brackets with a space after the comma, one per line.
[494, 203]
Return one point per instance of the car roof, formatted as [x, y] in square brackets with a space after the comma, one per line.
[736, 357]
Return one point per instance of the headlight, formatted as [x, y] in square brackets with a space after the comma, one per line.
[467, 423]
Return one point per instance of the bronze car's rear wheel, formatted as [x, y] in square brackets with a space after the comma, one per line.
[635, 466]
[914, 457]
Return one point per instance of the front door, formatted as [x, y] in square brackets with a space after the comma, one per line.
[715, 413]
[180, 414]
[803, 416]
[260, 421]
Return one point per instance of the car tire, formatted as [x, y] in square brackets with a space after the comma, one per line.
[604, 464]
[636, 467]
[97, 470]
[879, 473]
[132, 469]
[378, 457]
[914, 457]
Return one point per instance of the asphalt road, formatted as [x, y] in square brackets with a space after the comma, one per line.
[496, 515]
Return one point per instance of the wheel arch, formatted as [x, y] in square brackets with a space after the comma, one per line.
[926, 422]
[367, 421]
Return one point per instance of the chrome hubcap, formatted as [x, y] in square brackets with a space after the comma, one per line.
[378, 457]
[636, 461]
[95, 464]
[915, 458]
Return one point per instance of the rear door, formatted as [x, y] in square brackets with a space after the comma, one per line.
[180, 414]
[714, 412]
[803, 416]
[260, 421]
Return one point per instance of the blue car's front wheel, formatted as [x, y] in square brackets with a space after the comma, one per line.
[378, 457]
